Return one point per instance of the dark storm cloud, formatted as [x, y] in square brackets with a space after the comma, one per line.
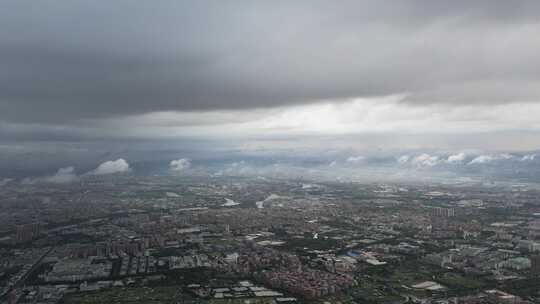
[61, 61]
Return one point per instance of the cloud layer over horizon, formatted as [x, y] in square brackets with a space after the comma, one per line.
[112, 167]
[244, 75]
[411, 167]
[179, 165]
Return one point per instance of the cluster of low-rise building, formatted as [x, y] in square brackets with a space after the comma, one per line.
[307, 283]
[309, 241]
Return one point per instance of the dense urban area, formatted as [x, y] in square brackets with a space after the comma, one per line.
[239, 240]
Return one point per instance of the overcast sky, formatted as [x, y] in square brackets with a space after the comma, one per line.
[391, 74]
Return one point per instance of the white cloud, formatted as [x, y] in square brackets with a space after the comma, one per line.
[355, 159]
[180, 164]
[5, 181]
[528, 157]
[237, 164]
[505, 156]
[239, 168]
[403, 159]
[28, 181]
[64, 175]
[425, 160]
[388, 114]
[243, 168]
[110, 167]
[482, 159]
[456, 158]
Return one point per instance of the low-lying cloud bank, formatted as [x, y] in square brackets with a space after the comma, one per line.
[5, 181]
[68, 174]
[482, 159]
[179, 165]
[461, 158]
[425, 160]
[111, 167]
[62, 176]
[355, 159]
[456, 158]
[337, 163]
[528, 157]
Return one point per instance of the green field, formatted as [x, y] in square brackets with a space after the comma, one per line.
[457, 281]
